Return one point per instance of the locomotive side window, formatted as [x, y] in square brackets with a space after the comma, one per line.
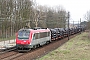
[44, 34]
[35, 36]
[23, 34]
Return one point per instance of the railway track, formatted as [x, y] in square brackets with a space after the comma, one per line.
[7, 50]
[13, 55]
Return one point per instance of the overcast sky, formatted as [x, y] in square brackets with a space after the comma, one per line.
[77, 8]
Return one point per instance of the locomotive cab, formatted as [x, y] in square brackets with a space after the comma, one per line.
[23, 39]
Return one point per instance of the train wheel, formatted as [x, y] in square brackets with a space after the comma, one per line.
[38, 45]
[47, 42]
[35, 47]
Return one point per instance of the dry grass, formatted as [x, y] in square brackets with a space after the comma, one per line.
[78, 48]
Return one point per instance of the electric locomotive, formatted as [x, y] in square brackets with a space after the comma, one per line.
[26, 39]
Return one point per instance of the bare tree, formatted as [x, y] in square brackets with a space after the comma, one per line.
[87, 17]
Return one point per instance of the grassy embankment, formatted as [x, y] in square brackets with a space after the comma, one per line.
[77, 48]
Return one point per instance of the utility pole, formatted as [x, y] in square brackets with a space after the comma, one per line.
[73, 23]
[68, 24]
[80, 26]
[80, 22]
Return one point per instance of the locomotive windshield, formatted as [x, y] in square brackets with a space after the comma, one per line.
[23, 34]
